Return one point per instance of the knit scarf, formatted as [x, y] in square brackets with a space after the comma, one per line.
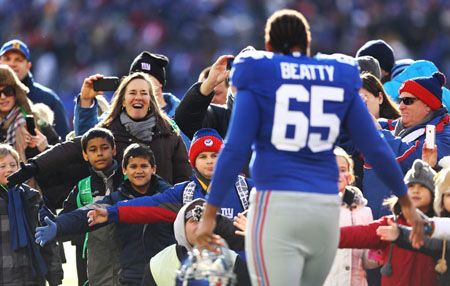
[142, 130]
[11, 123]
[21, 234]
[203, 181]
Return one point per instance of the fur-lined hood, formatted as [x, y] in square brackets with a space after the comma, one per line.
[442, 182]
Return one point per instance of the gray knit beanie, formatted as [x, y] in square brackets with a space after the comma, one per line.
[421, 173]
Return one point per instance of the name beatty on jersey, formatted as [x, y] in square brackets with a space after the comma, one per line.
[305, 71]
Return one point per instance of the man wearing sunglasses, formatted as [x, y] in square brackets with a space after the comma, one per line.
[420, 105]
[16, 55]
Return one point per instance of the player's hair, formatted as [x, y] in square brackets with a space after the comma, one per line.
[287, 29]
[388, 109]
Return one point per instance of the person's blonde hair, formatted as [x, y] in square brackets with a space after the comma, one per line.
[339, 152]
[6, 150]
[118, 98]
[442, 186]
[9, 78]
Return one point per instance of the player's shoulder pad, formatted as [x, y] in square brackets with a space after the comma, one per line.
[348, 68]
[246, 63]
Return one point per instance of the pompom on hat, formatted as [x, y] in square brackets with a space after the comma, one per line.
[427, 89]
[205, 140]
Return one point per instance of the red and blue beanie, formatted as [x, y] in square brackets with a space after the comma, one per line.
[427, 89]
[205, 140]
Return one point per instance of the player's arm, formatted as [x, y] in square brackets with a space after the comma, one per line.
[377, 152]
[241, 133]
[162, 207]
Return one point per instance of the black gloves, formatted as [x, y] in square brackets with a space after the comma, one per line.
[25, 172]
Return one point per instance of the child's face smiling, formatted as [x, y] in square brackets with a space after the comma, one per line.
[139, 172]
[344, 173]
[205, 163]
[420, 196]
[8, 165]
[99, 153]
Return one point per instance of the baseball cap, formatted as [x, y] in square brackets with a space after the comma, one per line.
[16, 45]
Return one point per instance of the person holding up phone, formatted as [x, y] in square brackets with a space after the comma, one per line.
[17, 123]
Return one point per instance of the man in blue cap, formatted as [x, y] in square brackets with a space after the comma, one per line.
[16, 54]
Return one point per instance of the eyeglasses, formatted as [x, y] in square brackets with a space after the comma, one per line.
[407, 100]
[7, 91]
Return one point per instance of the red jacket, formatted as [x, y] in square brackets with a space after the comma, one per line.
[408, 267]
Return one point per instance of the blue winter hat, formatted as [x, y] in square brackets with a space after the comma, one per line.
[380, 50]
[400, 66]
[204, 140]
[420, 68]
[16, 45]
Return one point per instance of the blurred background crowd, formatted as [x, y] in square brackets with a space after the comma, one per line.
[71, 39]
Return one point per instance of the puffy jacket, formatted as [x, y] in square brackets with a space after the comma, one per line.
[406, 148]
[349, 264]
[137, 242]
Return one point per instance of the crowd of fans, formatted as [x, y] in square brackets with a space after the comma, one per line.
[68, 45]
[73, 39]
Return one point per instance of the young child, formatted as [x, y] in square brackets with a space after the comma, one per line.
[203, 154]
[136, 243]
[102, 248]
[163, 267]
[400, 266]
[349, 264]
[23, 262]
[435, 248]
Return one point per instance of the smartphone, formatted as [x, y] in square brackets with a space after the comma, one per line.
[106, 84]
[230, 63]
[430, 133]
[348, 197]
[30, 124]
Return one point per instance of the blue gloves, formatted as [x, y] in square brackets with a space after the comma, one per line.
[46, 233]
[43, 212]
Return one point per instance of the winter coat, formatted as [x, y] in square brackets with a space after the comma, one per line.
[349, 264]
[196, 111]
[408, 267]
[137, 243]
[431, 247]
[407, 148]
[41, 94]
[102, 245]
[15, 266]
[170, 154]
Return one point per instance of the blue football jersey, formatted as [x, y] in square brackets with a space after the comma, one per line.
[290, 109]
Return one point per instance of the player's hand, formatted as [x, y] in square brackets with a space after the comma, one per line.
[97, 215]
[217, 74]
[88, 93]
[240, 222]
[429, 155]
[414, 219]
[388, 232]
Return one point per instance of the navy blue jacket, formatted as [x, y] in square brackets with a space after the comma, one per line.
[138, 242]
[41, 94]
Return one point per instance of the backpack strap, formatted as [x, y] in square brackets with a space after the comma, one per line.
[84, 196]
[188, 192]
[242, 190]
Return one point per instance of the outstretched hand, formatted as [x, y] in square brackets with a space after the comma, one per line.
[97, 215]
[46, 233]
[388, 232]
[26, 172]
[240, 222]
[414, 219]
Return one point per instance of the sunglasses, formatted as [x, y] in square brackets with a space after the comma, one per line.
[7, 91]
[407, 100]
